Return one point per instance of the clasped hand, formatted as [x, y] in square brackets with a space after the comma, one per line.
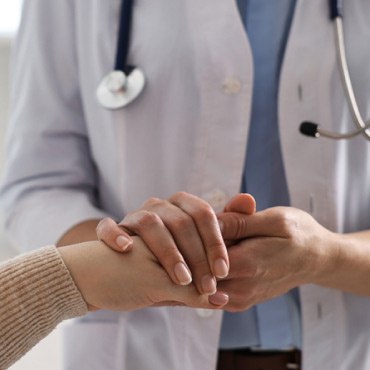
[235, 259]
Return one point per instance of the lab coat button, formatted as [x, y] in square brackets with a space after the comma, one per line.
[217, 199]
[231, 86]
[204, 313]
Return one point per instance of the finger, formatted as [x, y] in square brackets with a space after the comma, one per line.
[191, 298]
[271, 222]
[242, 293]
[113, 236]
[220, 299]
[233, 225]
[150, 227]
[215, 301]
[241, 203]
[233, 222]
[189, 243]
[244, 262]
[208, 228]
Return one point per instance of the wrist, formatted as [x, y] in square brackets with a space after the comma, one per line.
[74, 257]
[332, 256]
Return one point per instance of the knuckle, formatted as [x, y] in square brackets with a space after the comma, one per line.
[129, 216]
[205, 212]
[287, 222]
[151, 202]
[147, 219]
[179, 195]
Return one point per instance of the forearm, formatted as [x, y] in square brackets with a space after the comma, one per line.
[349, 267]
[82, 232]
[36, 294]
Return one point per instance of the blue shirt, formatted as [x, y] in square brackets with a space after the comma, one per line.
[276, 323]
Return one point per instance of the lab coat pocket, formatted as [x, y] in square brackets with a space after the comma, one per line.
[91, 345]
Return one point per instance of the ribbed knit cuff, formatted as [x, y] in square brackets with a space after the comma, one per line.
[36, 293]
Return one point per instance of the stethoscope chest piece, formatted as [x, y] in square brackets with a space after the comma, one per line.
[117, 89]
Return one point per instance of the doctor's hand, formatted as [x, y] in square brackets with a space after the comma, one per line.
[282, 249]
[184, 233]
[114, 281]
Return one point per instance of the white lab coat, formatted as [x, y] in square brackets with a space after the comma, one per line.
[70, 160]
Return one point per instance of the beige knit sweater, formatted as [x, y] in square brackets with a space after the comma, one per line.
[36, 293]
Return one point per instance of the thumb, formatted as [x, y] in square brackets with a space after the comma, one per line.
[113, 235]
[241, 203]
[233, 225]
[233, 221]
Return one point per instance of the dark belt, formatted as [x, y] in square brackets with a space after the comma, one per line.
[245, 359]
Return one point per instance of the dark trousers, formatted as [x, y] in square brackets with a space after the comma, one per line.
[258, 360]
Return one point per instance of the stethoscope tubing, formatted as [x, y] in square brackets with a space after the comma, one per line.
[339, 136]
[124, 37]
[346, 79]
[125, 83]
[313, 129]
[133, 79]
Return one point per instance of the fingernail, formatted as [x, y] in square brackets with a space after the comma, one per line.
[220, 268]
[123, 242]
[182, 273]
[219, 299]
[209, 285]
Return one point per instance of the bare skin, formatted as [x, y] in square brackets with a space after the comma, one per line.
[183, 232]
[112, 281]
[285, 248]
[275, 250]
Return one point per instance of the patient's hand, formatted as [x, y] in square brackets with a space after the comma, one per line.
[184, 231]
[114, 281]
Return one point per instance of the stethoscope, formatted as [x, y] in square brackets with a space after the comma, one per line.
[125, 83]
[312, 129]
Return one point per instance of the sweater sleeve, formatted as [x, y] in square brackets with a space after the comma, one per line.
[36, 293]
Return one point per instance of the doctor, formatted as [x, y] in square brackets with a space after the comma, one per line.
[211, 95]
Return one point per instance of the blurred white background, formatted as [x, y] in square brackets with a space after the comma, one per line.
[46, 355]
